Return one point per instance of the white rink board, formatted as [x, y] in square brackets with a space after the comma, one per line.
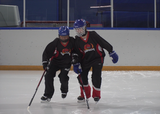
[134, 47]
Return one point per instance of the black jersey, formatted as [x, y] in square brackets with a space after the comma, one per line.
[60, 53]
[91, 49]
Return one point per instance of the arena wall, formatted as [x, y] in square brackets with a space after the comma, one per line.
[138, 49]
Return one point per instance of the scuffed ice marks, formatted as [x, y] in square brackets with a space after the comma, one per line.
[122, 92]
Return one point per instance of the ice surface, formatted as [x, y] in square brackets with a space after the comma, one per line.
[123, 92]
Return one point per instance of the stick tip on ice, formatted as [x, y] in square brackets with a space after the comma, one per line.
[28, 110]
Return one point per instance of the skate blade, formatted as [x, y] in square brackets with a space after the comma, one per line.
[81, 101]
[46, 101]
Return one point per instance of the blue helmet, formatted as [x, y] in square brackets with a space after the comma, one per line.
[63, 31]
[79, 23]
[80, 27]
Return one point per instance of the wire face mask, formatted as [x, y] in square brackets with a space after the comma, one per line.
[80, 27]
[80, 31]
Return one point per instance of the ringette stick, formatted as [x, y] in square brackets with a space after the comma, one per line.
[39, 83]
[37, 88]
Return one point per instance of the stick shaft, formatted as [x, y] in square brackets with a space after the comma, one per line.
[81, 82]
[37, 88]
[40, 80]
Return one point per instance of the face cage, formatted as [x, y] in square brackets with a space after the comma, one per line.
[80, 31]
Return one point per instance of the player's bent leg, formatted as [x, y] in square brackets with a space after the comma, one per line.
[64, 82]
[96, 81]
[49, 88]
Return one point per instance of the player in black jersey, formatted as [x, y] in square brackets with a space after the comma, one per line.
[60, 50]
[89, 46]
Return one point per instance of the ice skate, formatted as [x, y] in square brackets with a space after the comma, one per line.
[64, 95]
[96, 99]
[80, 99]
[45, 99]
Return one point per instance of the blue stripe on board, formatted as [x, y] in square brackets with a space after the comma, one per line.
[94, 28]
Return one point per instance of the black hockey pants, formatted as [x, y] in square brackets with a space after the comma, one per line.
[96, 75]
[49, 80]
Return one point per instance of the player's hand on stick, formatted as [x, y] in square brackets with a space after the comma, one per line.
[46, 66]
[75, 58]
[77, 68]
[114, 56]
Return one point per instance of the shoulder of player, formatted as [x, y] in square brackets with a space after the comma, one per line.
[92, 32]
[53, 42]
[77, 38]
[71, 38]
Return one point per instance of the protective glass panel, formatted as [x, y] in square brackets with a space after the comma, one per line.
[97, 13]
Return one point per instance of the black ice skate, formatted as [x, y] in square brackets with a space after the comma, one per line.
[96, 99]
[80, 99]
[45, 99]
[64, 95]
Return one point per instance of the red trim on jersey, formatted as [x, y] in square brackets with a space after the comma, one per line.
[56, 55]
[82, 53]
[86, 38]
[99, 52]
[65, 44]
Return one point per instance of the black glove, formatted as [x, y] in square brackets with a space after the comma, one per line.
[45, 66]
[75, 59]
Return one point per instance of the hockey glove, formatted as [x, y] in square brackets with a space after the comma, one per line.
[45, 66]
[74, 59]
[114, 56]
[77, 68]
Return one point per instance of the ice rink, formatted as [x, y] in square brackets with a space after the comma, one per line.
[122, 92]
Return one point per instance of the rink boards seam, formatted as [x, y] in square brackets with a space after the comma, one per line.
[105, 68]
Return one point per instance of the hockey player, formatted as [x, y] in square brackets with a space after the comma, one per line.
[60, 50]
[89, 46]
